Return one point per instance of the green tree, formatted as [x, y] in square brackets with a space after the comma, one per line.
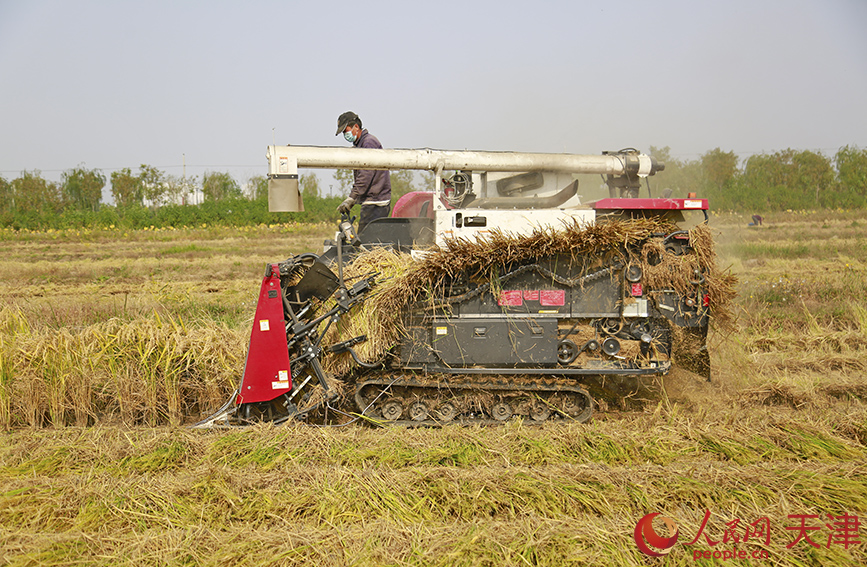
[790, 179]
[310, 186]
[180, 190]
[257, 188]
[6, 200]
[345, 179]
[682, 177]
[31, 192]
[154, 185]
[764, 171]
[82, 188]
[662, 154]
[401, 183]
[149, 184]
[718, 168]
[813, 176]
[851, 166]
[428, 180]
[126, 188]
[217, 186]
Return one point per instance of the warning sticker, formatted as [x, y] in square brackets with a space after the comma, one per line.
[531, 295]
[552, 297]
[264, 325]
[691, 204]
[510, 299]
[442, 330]
[283, 385]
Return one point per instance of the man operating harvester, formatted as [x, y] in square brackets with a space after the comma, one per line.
[371, 188]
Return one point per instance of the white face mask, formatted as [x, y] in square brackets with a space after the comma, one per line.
[350, 137]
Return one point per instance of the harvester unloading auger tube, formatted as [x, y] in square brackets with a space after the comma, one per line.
[498, 295]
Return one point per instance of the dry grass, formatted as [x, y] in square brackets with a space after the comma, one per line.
[549, 496]
[780, 431]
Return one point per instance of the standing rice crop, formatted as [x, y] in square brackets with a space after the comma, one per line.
[151, 371]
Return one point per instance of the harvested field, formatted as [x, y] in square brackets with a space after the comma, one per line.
[779, 434]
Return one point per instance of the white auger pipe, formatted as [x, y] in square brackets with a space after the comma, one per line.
[284, 160]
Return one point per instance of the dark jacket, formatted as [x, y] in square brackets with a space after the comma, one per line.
[371, 185]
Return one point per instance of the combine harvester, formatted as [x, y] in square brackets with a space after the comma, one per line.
[509, 297]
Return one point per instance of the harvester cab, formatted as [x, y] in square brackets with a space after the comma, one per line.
[497, 295]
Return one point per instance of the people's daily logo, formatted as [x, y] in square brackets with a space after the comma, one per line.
[649, 542]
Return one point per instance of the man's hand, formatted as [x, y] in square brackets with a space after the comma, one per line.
[346, 206]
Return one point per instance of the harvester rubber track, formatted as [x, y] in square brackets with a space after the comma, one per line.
[425, 400]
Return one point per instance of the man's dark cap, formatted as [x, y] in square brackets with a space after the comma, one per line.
[345, 120]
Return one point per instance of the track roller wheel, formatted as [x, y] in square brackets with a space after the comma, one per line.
[539, 411]
[418, 411]
[446, 412]
[392, 410]
[501, 411]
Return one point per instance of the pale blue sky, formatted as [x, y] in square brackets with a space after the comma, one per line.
[115, 84]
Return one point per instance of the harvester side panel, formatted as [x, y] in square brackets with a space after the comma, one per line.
[504, 342]
[597, 299]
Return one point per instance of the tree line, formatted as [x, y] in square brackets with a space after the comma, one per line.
[150, 197]
[787, 179]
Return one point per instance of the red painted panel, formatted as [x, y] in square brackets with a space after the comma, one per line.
[266, 372]
[553, 297]
[510, 299]
[411, 205]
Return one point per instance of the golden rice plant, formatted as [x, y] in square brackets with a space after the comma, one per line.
[151, 371]
[6, 376]
[381, 327]
[13, 326]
